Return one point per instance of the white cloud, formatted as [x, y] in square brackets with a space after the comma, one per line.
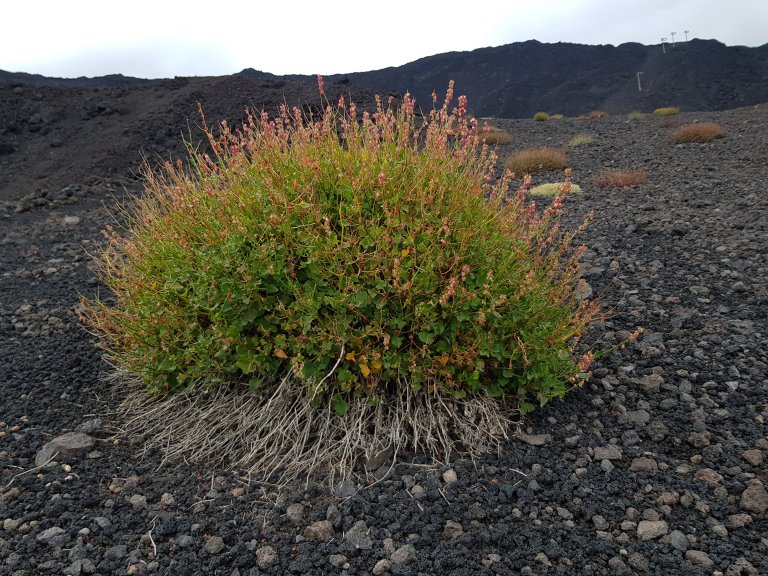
[161, 38]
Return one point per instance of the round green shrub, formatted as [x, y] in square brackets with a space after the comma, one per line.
[541, 116]
[554, 188]
[358, 252]
[667, 111]
[581, 140]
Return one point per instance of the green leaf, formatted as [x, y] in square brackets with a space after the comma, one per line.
[253, 312]
[525, 408]
[340, 405]
[254, 383]
[361, 298]
[426, 337]
[245, 360]
[166, 365]
[494, 391]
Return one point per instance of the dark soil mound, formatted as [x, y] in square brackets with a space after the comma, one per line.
[69, 133]
[517, 80]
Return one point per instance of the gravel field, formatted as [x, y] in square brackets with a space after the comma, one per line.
[657, 466]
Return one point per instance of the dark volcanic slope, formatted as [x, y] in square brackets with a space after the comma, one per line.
[658, 466]
[517, 80]
[53, 136]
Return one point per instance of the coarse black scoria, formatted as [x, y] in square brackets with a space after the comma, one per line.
[656, 466]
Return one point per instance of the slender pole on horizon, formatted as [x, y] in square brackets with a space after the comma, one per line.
[639, 86]
[673, 38]
[686, 35]
[663, 49]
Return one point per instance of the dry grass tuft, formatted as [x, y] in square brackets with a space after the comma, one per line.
[556, 117]
[536, 160]
[580, 140]
[281, 435]
[494, 137]
[635, 116]
[620, 178]
[541, 116]
[596, 114]
[700, 132]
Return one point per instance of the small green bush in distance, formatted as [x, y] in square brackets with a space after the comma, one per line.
[700, 132]
[581, 140]
[667, 111]
[357, 266]
[541, 116]
[534, 160]
[554, 188]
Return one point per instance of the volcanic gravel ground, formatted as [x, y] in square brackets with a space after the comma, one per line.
[656, 466]
[54, 136]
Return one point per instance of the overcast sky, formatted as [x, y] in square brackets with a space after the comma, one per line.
[163, 38]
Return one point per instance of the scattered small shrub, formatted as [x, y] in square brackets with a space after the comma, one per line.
[597, 114]
[580, 140]
[556, 117]
[340, 285]
[667, 111]
[494, 137]
[621, 178]
[699, 132]
[635, 116]
[541, 116]
[536, 160]
[555, 188]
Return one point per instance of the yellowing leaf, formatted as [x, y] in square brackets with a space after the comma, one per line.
[376, 365]
[444, 359]
[405, 252]
[365, 370]
[350, 356]
[280, 354]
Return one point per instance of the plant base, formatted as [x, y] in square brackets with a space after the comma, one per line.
[279, 435]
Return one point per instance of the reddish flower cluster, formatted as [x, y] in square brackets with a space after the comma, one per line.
[450, 291]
